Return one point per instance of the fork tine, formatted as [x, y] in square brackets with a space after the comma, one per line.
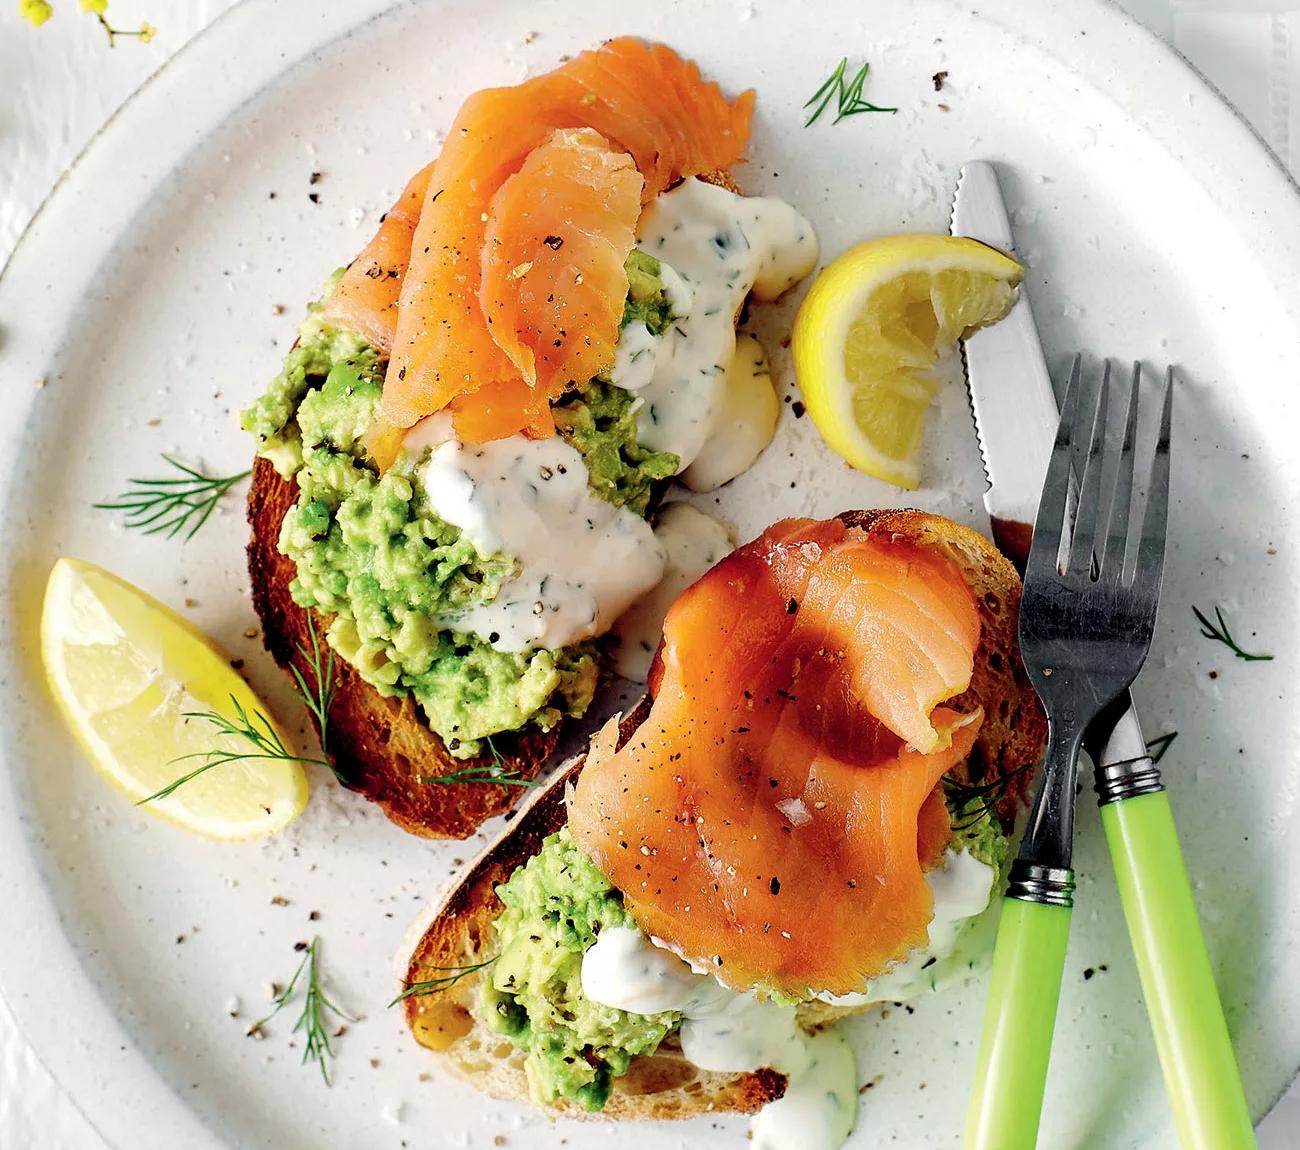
[1121, 503]
[1089, 506]
[1049, 522]
[1151, 550]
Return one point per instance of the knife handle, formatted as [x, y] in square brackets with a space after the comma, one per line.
[1182, 1000]
[1019, 1017]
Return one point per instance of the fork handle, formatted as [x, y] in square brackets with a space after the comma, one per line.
[1191, 1035]
[1019, 1018]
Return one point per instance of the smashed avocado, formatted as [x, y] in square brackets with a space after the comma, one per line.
[555, 906]
[975, 828]
[600, 421]
[647, 301]
[370, 551]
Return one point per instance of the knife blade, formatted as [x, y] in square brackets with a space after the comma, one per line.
[1015, 420]
[1010, 388]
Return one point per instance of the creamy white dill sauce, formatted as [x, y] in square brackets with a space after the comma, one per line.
[580, 561]
[729, 1032]
[744, 422]
[718, 246]
[692, 542]
[962, 888]
[820, 1103]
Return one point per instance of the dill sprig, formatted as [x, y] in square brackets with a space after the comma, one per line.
[316, 1006]
[255, 729]
[168, 506]
[319, 697]
[988, 795]
[1220, 634]
[846, 94]
[495, 772]
[433, 985]
[1158, 746]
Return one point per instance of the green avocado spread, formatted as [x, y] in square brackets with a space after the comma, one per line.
[976, 829]
[370, 551]
[555, 907]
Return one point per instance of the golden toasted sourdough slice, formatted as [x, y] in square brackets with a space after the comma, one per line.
[456, 930]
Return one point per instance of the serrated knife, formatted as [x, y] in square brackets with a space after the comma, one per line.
[1016, 419]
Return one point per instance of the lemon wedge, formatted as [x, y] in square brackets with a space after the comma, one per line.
[872, 327]
[125, 671]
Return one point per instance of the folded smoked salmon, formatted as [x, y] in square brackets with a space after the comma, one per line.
[791, 758]
[497, 282]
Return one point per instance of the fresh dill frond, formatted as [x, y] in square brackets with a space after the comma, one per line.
[847, 95]
[256, 730]
[987, 795]
[831, 87]
[433, 985]
[482, 775]
[170, 505]
[1219, 632]
[319, 697]
[494, 773]
[316, 1007]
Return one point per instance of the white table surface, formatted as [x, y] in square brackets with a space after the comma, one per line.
[59, 83]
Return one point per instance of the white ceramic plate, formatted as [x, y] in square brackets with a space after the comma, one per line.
[146, 295]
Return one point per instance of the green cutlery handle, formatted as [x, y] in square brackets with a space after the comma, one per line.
[1191, 1035]
[1019, 1017]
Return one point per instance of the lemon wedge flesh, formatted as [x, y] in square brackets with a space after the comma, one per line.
[124, 670]
[871, 330]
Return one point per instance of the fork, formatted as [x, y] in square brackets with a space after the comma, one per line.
[1086, 621]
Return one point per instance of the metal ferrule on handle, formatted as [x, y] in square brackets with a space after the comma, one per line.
[1124, 769]
[1034, 882]
[1128, 779]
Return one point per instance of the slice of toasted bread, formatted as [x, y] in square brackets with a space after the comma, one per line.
[382, 747]
[456, 930]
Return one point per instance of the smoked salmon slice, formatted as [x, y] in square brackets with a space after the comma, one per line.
[644, 100]
[775, 814]
[553, 278]
[365, 298]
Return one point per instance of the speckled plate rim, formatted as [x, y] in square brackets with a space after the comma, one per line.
[176, 109]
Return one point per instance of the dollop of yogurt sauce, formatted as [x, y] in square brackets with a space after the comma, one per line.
[714, 248]
[580, 561]
[725, 1031]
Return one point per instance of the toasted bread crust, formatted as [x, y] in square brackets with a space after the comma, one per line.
[456, 930]
[381, 747]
